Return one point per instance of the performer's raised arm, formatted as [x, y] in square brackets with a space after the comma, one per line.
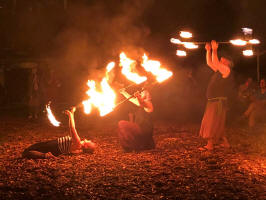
[72, 127]
[209, 57]
[223, 65]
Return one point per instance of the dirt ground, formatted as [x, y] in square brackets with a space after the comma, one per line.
[176, 169]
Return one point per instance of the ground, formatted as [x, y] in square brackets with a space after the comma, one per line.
[176, 169]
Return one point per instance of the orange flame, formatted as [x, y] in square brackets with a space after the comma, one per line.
[238, 42]
[154, 67]
[181, 53]
[248, 52]
[104, 100]
[175, 41]
[185, 34]
[190, 45]
[127, 67]
[51, 116]
[254, 41]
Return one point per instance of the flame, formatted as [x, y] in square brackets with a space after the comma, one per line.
[175, 41]
[154, 67]
[104, 100]
[238, 42]
[181, 53]
[185, 34]
[51, 116]
[110, 66]
[254, 41]
[127, 67]
[190, 45]
[248, 52]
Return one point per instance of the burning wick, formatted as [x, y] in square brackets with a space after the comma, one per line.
[238, 42]
[248, 52]
[185, 34]
[51, 116]
[181, 53]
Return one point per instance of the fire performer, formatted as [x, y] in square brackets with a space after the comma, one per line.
[137, 134]
[213, 122]
[64, 145]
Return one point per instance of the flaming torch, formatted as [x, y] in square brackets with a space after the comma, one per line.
[51, 117]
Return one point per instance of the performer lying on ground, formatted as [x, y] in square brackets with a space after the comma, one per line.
[64, 145]
[213, 122]
[137, 134]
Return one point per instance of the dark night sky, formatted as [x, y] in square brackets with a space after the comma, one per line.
[100, 28]
[89, 33]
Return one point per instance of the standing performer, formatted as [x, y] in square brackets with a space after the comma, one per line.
[64, 145]
[137, 134]
[213, 122]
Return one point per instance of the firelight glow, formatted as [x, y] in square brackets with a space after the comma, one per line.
[128, 67]
[185, 34]
[175, 41]
[248, 52]
[238, 42]
[154, 67]
[181, 53]
[190, 45]
[51, 117]
[254, 41]
[103, 100]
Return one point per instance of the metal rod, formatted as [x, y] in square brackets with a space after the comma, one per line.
[222, 42]
[133, 84]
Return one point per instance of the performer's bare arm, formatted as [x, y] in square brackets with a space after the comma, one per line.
[145, 103]
[223, 68]
[209, 57]
[139, 101]
[72, 127]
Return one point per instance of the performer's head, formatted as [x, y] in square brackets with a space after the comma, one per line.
[87, 146]
[226, 59]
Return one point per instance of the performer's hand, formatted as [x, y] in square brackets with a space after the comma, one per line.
[214, 45]
[122, 91]
[137, 94]
[208, 46]
[73, 109]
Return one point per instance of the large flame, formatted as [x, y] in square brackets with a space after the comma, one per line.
[104, 100]
[127, 69]
[51, 117]
[154, 67]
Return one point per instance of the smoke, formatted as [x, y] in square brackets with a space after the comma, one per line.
[93, 35]
[96, 33]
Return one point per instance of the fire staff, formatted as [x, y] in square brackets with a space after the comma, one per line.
[213, 122]
[64, 145]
